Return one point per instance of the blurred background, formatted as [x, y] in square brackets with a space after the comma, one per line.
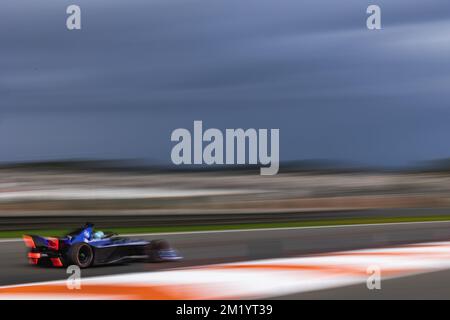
[66, 194]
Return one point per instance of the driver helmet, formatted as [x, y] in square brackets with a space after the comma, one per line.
[98, 235]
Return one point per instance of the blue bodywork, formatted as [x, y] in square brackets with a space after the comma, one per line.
[85, 234]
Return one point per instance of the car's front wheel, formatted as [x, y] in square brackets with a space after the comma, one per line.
[80, 254]
[154, 248]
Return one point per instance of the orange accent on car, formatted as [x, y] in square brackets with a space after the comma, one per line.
[29, 242]
[56, 262]
[34, 255]
[53, 243]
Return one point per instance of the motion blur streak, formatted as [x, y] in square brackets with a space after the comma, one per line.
[251, 279]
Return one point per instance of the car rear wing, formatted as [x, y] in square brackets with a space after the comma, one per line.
[38, 242]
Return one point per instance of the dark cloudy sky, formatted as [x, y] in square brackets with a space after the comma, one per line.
[140, 68]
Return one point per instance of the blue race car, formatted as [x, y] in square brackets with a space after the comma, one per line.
[86, 247]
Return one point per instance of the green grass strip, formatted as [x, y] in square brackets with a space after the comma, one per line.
[318, 223]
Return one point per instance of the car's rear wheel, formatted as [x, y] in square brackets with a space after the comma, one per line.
[80, 254]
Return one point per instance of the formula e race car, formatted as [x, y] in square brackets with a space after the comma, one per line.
[87, 247]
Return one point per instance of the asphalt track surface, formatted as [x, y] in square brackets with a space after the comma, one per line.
[217, 247]
[433, 285]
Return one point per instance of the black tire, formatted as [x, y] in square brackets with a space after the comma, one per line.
[80, 254]
[153, 249]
